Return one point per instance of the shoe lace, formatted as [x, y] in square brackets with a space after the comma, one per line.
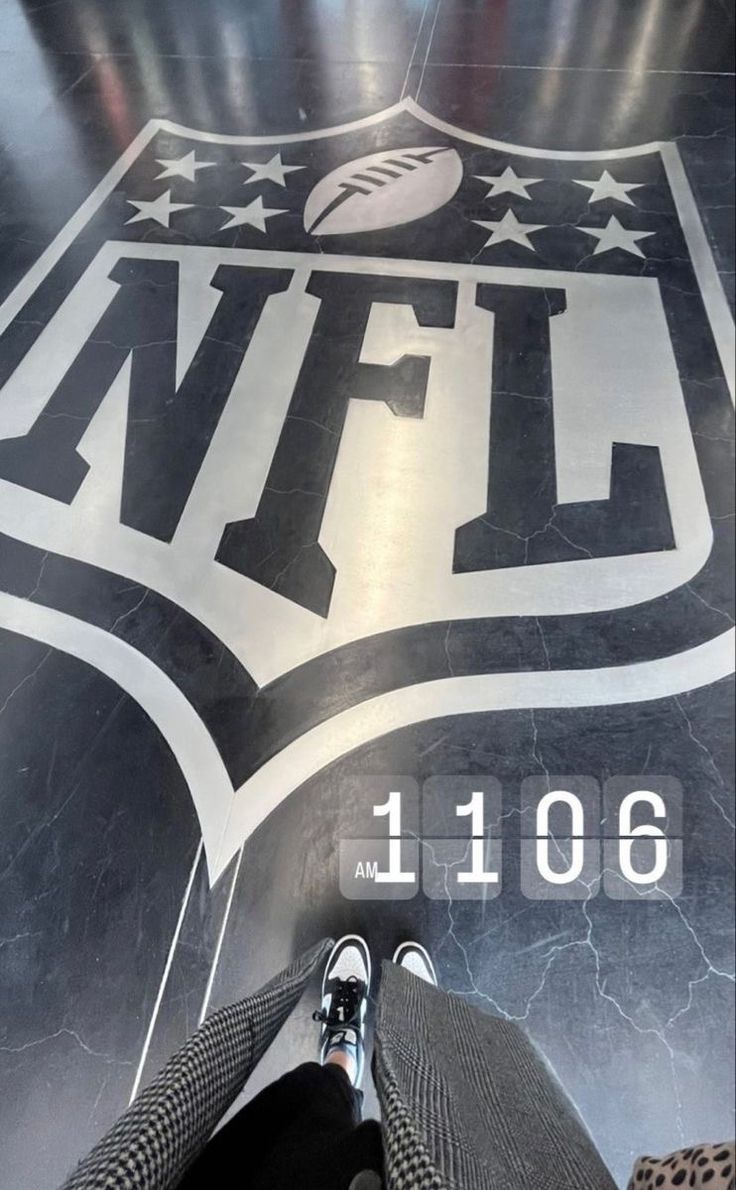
[344, 1005]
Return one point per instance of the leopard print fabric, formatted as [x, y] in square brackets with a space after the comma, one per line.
[703, 1167]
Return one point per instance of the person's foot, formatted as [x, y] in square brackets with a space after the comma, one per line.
[413, 957]
[345, 988]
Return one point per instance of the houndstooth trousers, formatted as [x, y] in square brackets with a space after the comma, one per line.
[467, 1103]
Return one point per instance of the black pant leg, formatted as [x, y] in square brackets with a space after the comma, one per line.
[306, 1110]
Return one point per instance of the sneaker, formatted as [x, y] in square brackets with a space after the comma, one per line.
[413, 957]
[345, 988]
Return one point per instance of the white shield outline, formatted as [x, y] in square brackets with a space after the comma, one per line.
[229, 816]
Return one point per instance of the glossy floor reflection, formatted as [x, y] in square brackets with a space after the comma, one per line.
[335, 460]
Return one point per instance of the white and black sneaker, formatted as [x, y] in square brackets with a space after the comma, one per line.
[413, 957]
[345, 989]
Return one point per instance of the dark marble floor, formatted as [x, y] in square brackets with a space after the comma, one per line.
[466, 525]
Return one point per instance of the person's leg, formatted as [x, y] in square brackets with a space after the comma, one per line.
[466, 1096]
[300, 1120]
[312, 1098]
[345, 990]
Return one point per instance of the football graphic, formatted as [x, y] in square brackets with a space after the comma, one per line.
[383, 190]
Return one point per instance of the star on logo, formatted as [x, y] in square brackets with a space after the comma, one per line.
[159, 209]
[509, 228]
[508, 183]
[613, 235]
[608, 187]
[254, 215]
[269, 171]
[182, 167]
